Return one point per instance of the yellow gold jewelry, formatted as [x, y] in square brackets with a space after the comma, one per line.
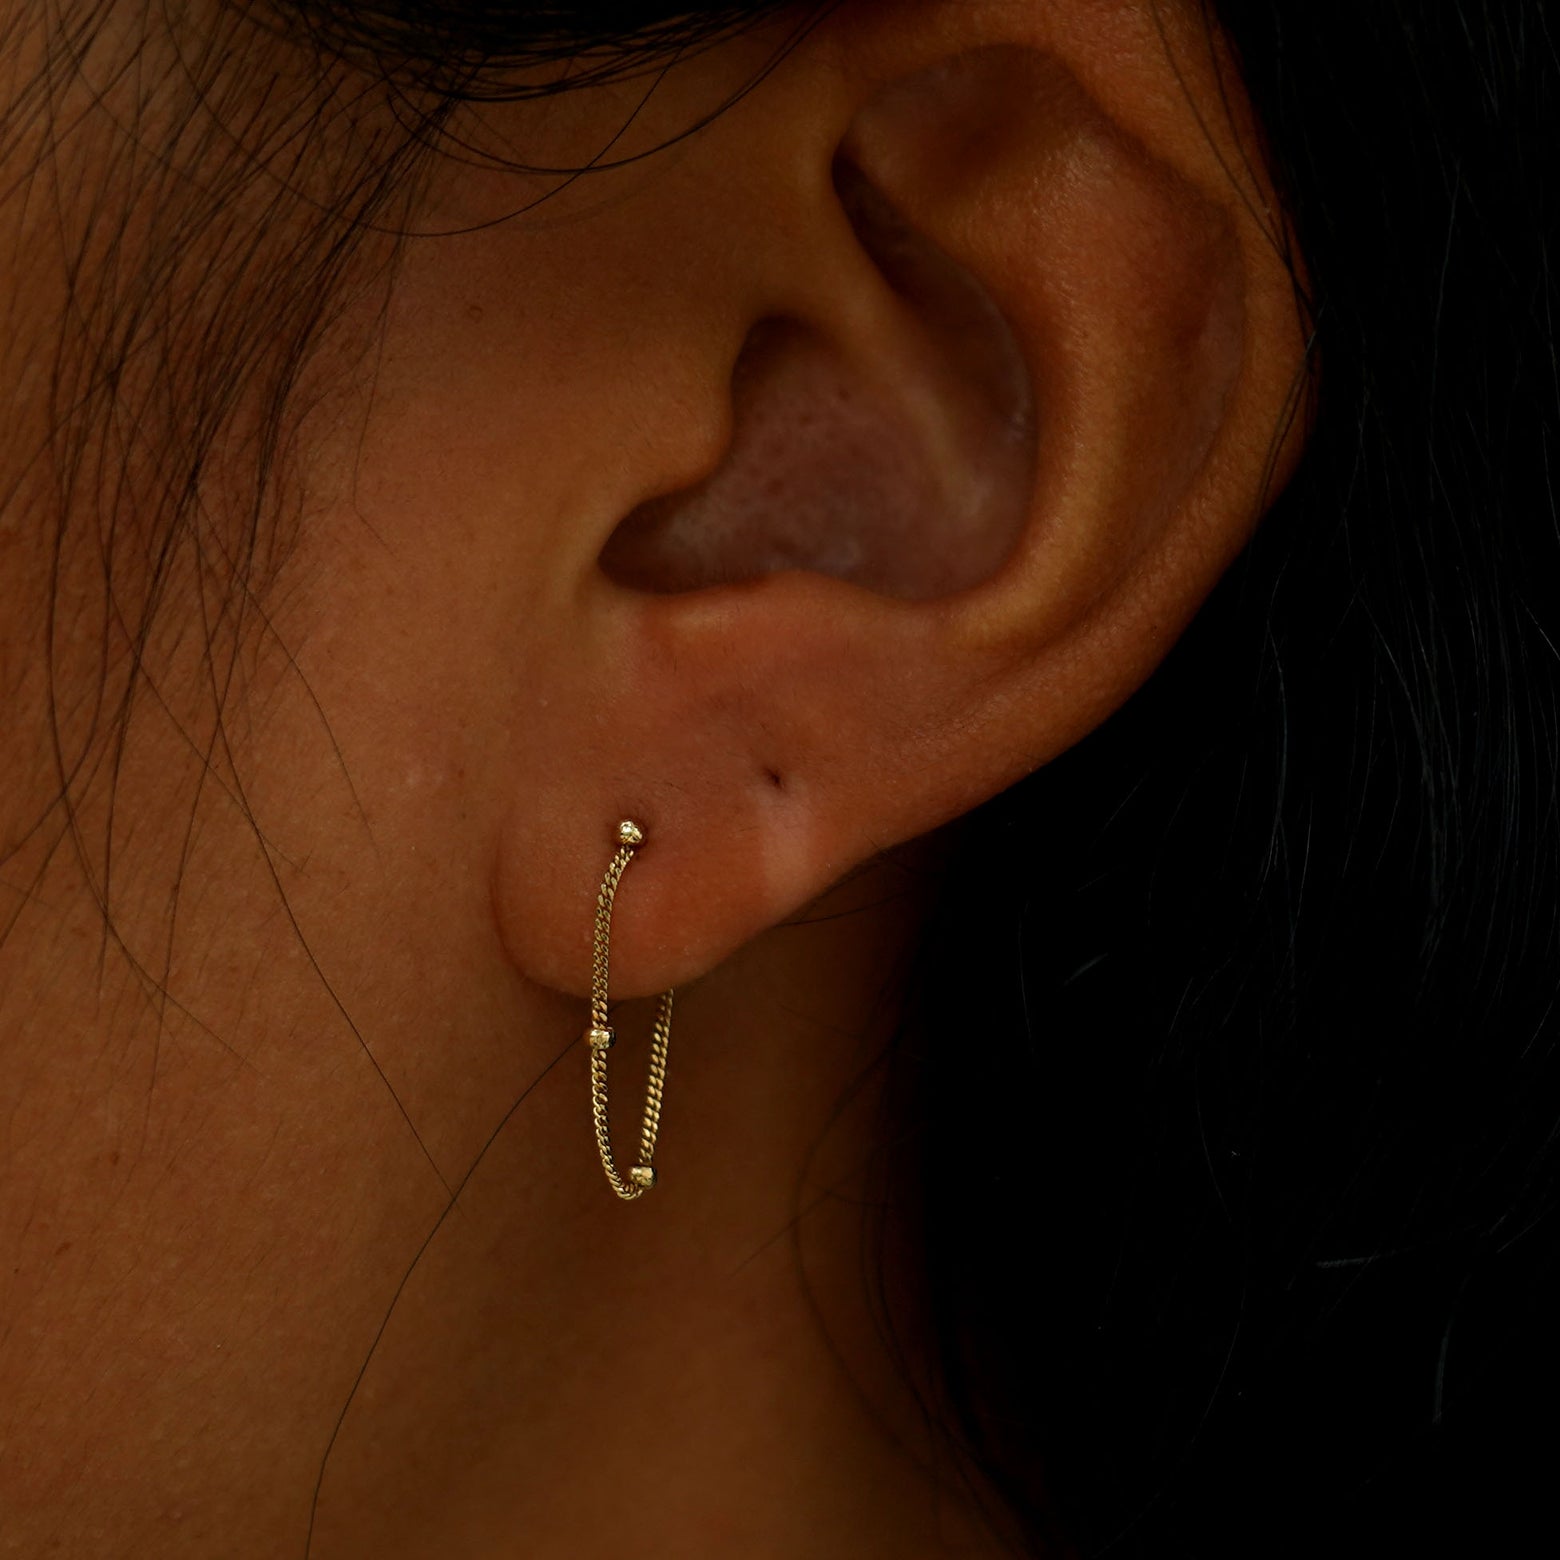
[642, 1177]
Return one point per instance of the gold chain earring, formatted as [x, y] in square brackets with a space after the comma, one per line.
[642, 1177]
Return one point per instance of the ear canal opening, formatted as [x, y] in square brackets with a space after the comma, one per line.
[901, 460]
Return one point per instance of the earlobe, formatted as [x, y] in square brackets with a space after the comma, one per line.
[1027, 276]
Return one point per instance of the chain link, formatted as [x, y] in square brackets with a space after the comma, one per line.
[600, 1035]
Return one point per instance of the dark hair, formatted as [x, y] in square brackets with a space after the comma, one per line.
[1239, 1172]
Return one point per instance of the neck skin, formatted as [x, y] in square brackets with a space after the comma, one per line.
[213, 1205]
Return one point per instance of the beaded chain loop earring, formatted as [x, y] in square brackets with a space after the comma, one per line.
[642, 1177]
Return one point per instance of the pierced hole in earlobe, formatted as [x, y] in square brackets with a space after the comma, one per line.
[774, 778]
[901, 459]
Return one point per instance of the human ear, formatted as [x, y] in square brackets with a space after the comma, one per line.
[992, 374]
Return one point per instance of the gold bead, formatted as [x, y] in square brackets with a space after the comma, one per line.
[629, 833]
[600, 1039]
[642, 1175]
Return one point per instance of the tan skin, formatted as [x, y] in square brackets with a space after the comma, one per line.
[209, 1203]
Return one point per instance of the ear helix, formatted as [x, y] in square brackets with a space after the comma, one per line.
[641, 1177]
